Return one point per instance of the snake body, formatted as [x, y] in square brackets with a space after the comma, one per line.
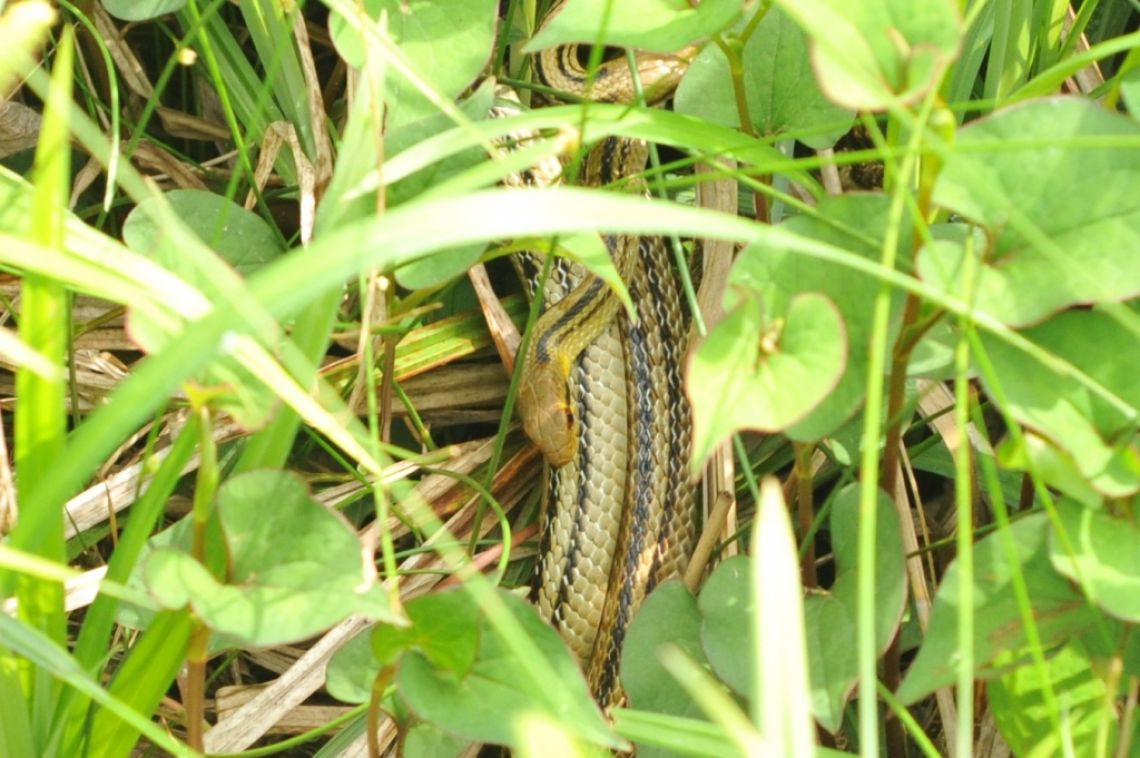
[602, 396]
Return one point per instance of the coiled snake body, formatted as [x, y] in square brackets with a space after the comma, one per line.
[602, 396]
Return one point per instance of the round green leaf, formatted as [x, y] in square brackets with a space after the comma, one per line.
[856, 223]
[447, 41]
[830, 635]
[142, 10]
[753, 374]
[445, 628]
[352, 670]
[1099, 437]
[1054, 466]
[726, 609]
[242, 238]
[661, 26]
[1105, 559]
[1017, 173]
[668, 615]
[1058, 609]
[779, 86]
[874, 54]
[296, 567]
[484, 704]
[830, 617]
[428, 741]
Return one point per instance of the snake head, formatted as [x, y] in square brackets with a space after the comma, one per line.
[547, 415]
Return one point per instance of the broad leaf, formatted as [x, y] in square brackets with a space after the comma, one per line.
[831, 616]
[875, 54]
[418, 27]
[486, 702]
[813, 406]
[1059, 611]
[1027, 720]
[1097, 436]
[662, 26]
[241, 238]
[768, 372]
[779, 86]
[668, 615]
[1105, 560]
[142, 10]
[445, 629]
[296, 568]
[726, 609]
[352, 670]
[1017, 174]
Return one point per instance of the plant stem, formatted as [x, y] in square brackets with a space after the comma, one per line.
[805, 505]
[896, 394]
[194, 696]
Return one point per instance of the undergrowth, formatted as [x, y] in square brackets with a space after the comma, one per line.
[263, 491]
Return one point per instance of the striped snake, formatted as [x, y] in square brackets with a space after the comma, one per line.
[602, 397]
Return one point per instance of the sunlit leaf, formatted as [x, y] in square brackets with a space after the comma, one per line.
[1058, 610]
[483, 704]
[296, 568]
[779, 86]
[1017, 173]
[1097, 436]
[873, 54]
[767, 374]
[662, 26]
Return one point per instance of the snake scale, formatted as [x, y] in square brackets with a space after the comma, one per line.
[602, 396]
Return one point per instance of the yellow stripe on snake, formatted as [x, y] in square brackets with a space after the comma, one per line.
[602, 397]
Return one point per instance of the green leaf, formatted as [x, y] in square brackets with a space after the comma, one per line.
[660, 26]
[727, 611]
[726, 608]
[830, 629]
[1058, 610]
[296, 567]
[779, 87]
[1051, 464]
[142, 10]
[352, 670]
[428, 741]
[1106, 559]
[768, 374]
[241, 238]
[141, 680]
[1017, 173]
[877, 54]
[1130, 92]
[448, 42]
[405, 136]
[485, 704]
[831, 617]
[1026, 719]
[779, 692]
[445, 628]
[51, 658]
[1099, 438]
[857, 224]
[668, 615]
